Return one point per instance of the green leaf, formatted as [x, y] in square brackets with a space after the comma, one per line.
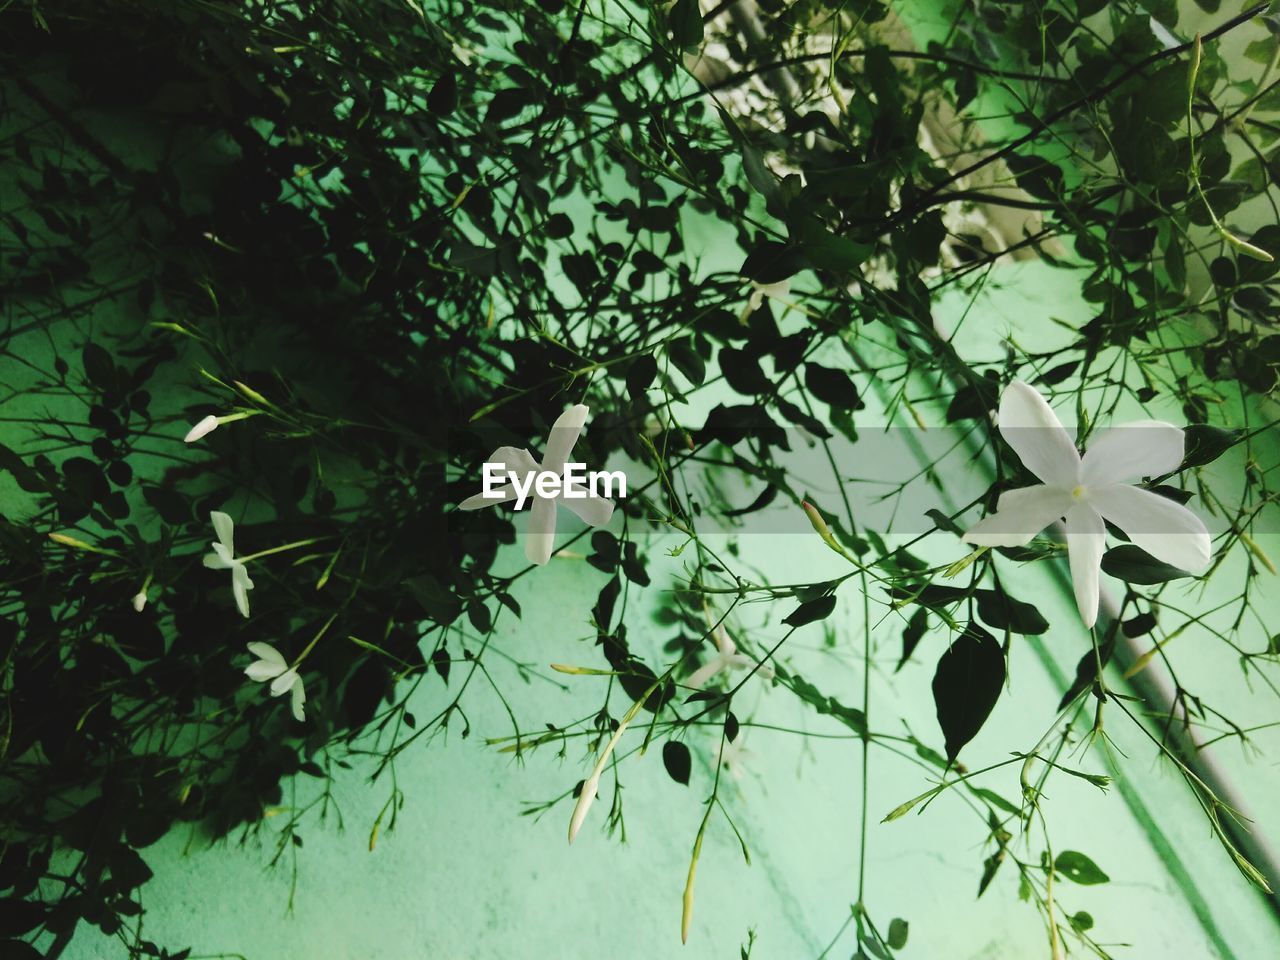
[828, 251]
[915, 629]
[443, 98]
[974, 400]
[989, 868]
[1079, 868]
[897, 937]
[742, 372]
[811, 611]
[851, 717]
[1081, 921]
[966, 686]
[1137, 626]
[558, 226]
[1037, 176]
[1205, 443]
[676, 758]
[831, 386]
[98, 367]
[998, 609]
[687, 361]
[686, 23]
[1132, 564]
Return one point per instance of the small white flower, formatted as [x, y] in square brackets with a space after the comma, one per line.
[139, 600]
[223, 558]
[775, 291]
[541, 532]
[1087, 490]
[727, 658]
[270, 665]
[202, 429]
[735, 758]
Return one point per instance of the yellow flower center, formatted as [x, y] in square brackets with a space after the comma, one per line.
[1078, 492]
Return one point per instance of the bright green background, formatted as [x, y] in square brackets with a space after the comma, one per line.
[463, 875]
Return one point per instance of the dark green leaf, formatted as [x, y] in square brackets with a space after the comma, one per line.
[831, 386]
[811, 611]
[911, 634]
[1076, 866]
[966, 686]
[675, 757]
[742, 371]
[897, 937]
[443, 98]
[98, 367]
[998, 609]
[1139, 625]
[687, 361]
[989, 868]
[558, 226]
[1134, 565]
[1205, 443]
[686, 23]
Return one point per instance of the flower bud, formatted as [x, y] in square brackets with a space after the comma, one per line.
[201, 429]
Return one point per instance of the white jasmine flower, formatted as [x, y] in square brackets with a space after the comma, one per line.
[270, 665]
[223, 558]
[202, 429]
[541, 531]
[1087, 490]
[139, 600]
[727, 658]
[759, 291]
[735, 758]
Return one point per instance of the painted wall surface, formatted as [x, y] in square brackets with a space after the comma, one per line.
[463, 874]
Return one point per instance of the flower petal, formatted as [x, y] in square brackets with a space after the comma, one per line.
[740, 661]
[478, 500]
[1086, 538]
[511, 459]
[265, 651]
[705, 672]
[1131, 451]
[1165, 529]
[1037, 437]
[594, 511]
[564, 434]
[216, 560]
[1020, 515]
[540, 535]
[224, 527]
[298, 698]
[724, 642]
[240, 587]
[261, 670]
[284, 682]
[779, 288]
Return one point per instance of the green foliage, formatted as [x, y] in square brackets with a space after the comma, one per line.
[387, 241]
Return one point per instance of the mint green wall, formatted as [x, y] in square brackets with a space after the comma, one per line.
[463, 875]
